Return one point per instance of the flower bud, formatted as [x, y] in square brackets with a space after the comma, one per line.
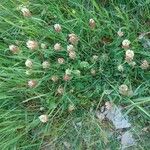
[126, 43]
[32, 83]
[60, 90]
[29, 63]
[61, 60]
[14, 49]
[45, 64]
[145, 65]
[120, 68]
[72, 54]
[43, 46]
[120, 33]
[93, 72]
[32, 44]
[71, 108]
[129, 55]
[57, 27]
[68, 72]
[92, 23]
[73, 39]
[70, 48]
[26, 12]
[57, 47]
[43, 118]
[94, 58]
[77, 72]
[123, 89]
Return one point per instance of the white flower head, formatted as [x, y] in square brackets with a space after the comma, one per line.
[92, 23]
[32, 83]
[29, 63]
[32, 44]
[129, 55]
[43, 118]
[120, 68]
[57, 27]
[68, 71]
[14, 49]
[57, 47]
[25, 11]
[126, 43]
[45, 64]
[145, 65]
[70, 48]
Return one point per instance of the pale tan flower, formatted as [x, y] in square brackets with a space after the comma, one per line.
[29, 63]
[54, 78]
[72, 54]
[70, 48]
[26, 12]
[14, 49]
[32, 83]
[73, 39]
[43, 46]
[61, 60]
[120, 68]
[60, 90]
[71, 107]
[123, 89]
[145, 64]
[57, 27]
[45, 64]
[92, 23]
[129, 55]
[57, 47]
[126, 43]
[32, 44]
[66, 77]
[120, 33]
[43, 118]
[93, 72]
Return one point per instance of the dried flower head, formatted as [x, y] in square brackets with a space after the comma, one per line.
[57, 47]
[45, 64]
[70, 48]
[60, 90]
[66, 77]
[43, 118]
[57, 27]
[72, 54]
[32, 44]
[123, 89]
[25, 11]
[43, 46]
[71, 107]
[120, 68]
[14, 49]
[92, 23]
[126, 43]
[93, 72]
[61, 60]
[120, 33]
[129, 55]
[145, 64]
[32, 83]
[54, 78]
[68, 71]
[29, 63]
[73, 39]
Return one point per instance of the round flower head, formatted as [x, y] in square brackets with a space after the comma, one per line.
[129, 55]
[92, 23]
[94, 58]
[120, 68]
[29, 63]
[32, 44]
[54, 78]
[145, 65]
[73, 39]
[126, 43]
[93, 72]
[14, 49]
[72, 54]
[43, 118]
[71, 108]
[68, 72]
[45, 64]
[57, 47]
[120, 33]
[61, 60]
[43, 46]
[66, 77]
[26, 12]
[60, 90]
[57, 27]
[123, 89]
[32, 83]
[70, 48]
[84, 64]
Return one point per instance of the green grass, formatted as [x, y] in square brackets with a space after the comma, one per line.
[20, 127]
